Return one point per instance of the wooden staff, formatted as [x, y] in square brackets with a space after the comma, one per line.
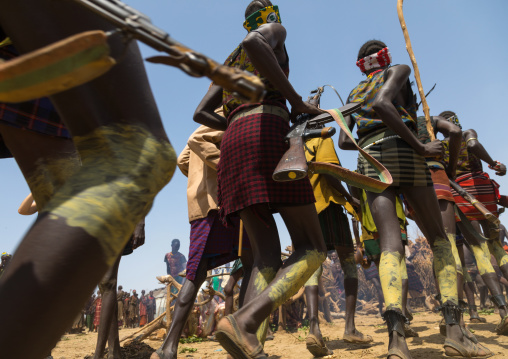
[415, 67]
[240, 239]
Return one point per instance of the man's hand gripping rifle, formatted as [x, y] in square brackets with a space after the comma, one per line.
[293, 165]
[139, 26]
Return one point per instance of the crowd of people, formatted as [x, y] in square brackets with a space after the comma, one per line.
[124, 158]
[133, 310]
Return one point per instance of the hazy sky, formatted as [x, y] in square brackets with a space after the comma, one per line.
[458, 45]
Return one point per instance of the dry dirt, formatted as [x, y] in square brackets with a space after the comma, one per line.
[292, 345]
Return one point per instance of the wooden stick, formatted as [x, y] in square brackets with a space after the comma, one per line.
[240, 239]
[415, 67]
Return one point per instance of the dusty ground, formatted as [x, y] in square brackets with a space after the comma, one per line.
[428, 345]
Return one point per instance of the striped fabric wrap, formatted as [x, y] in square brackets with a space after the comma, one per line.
[350, 177]
[483, 189]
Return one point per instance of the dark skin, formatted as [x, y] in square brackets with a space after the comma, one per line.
[265, 48]
[502, 233]
[422, 199]
[185, 303]
[350, 284]
[375, 281]
[72, 255]
[108, 328]
[474, 146]
[229, 291]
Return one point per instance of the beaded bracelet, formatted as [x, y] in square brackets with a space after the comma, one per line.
[496, 167]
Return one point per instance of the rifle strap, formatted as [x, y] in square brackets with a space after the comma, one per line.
[57, 67]
[353, 178]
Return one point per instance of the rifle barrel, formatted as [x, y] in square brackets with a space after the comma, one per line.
[136, 23]
[346, 110]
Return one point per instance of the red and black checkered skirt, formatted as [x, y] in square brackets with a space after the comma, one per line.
[210, 239]
[482, 188]
[251, 148]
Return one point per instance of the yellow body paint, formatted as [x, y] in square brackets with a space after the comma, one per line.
[123, 168]
[295, 278]
[49, 176]
[445, 268]
[261, 281]
[498, 252]
[391, 279]
[314, 278]
[455, 251]
[349, 266]
[482, 255]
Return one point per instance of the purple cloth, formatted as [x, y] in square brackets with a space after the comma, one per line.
[209, 238]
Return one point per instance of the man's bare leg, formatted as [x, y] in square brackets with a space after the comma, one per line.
[303, 226]
[125, 154]
[348, 265]
[109, 318]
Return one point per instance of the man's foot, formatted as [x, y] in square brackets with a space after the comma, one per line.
[466, 349]
[238, 342]
[397, 347]
[502, 327]
[477, 319]
[159, 354]
[410, 332]
[356, 337]
[317, 347]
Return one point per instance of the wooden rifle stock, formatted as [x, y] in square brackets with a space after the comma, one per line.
[477, 204]
[293, 165]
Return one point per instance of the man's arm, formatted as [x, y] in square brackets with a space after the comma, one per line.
[396, 78]
[477, 149]
[265, 48]
[345, 142]
[204, 143]
[454, 133]
[139, 234]
[183, 161]
[205, 112]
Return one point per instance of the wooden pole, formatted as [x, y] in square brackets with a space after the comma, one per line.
[415, 67]
[240, 239]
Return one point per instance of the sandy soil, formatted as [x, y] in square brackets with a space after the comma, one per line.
[292, 345]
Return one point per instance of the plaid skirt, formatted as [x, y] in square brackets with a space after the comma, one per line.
[335, 227]
[408, 169]
[251, 148]
[209, 238]
[482, 188]
[38, 116]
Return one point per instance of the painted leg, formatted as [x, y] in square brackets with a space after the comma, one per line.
[481, 252]
[108, 320]
[314, 341]
[126, 160]
[385, 217]
[237, 332]
[348, 264]
[424, 202]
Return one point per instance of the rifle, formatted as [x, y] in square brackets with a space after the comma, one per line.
[477, 204]
[293, 165]
[135, 24]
